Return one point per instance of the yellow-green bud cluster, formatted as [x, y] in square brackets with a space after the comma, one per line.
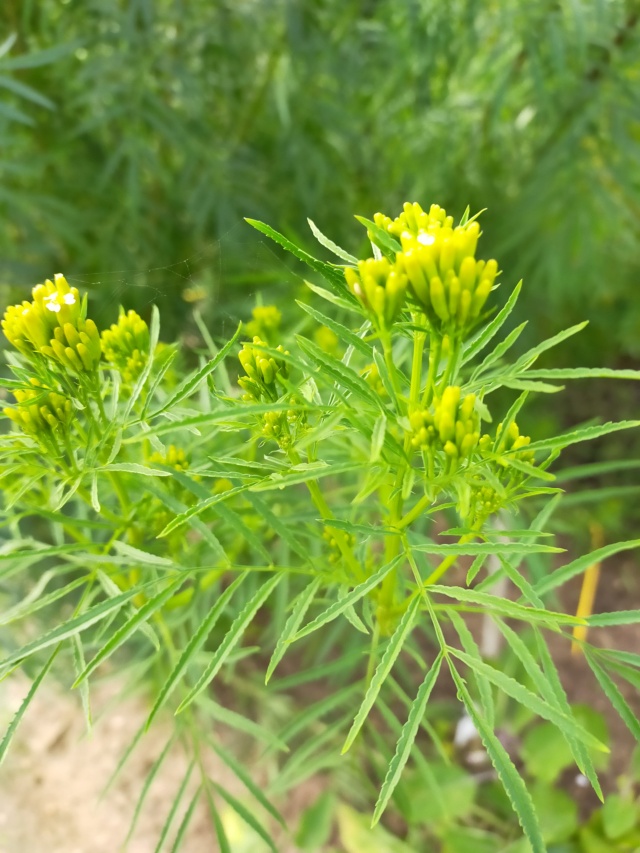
[335, 553]
[380, 287]
[125, 345]
[174, 457]
[263, 370]
[445, 278]
[40, 411]
[515, 443]
[53, 325]
[438, 262]
[414, 219]
[485, 502]
[265, 323]
[453, 425]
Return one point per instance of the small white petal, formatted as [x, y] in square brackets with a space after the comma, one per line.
[53, 306]
[426, 239]
[69, 299]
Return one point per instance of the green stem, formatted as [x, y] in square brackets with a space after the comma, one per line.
[435, 351]
[387, 349]
[323, 508]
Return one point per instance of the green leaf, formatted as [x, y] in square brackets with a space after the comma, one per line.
[339, 606]
[492, 328]
[198, 509]
[473, 549]
[614, 695]
[298, 611]
[618, 617]
[339, 373]
[184, 823]
[74, 626]
[529, 700]
[391, 652]
[532, 355]
[27, 92]
[231, 638]
[383, 240]
[13, 725]
[332, 275]
[195, 643]
[248, 782]
[246, 815]
[151, 775]
[575, 567]
[316, 821]
[583, 373]
[312, 472]
[509, 776]
[584, 434]
[139, 618]
[406, 739]
[471, 648]
[619, 815]
[341, 332]
[174, 807]
[191, 383]
[504, 607]
[330, 245]
[377, 437]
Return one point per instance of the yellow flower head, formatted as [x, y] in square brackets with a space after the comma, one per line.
[53, 325]
[40, 411]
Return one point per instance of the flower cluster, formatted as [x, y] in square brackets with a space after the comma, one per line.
[435, 263]
[513, 443]
[53, 325]
[452, 426]
[126, 345]
[381, 287]
[40, 411]
[174, 457]
[263, 371]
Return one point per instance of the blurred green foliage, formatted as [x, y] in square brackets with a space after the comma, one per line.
[136, 134]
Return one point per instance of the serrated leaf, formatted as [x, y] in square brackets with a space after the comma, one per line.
[140, 617]
[248, 782]
[15, 721]
[301, 605]
[473, 549]
[575, 567]
[74, 626]
[613, 694]
[199, 508]
[195, 643]
[487, 333]
[585, 434]
[529, 700]
[512, 781]
[391, 652]
[174, 807]
[341, 332]
[406, 739]
[339, 606]
[242, 811]
[190, 383]
[231, 639]
[377, 437]
[331, 274]
[330, 245]
[339, 373]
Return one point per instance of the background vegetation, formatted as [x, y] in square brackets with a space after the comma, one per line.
[136, 135]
